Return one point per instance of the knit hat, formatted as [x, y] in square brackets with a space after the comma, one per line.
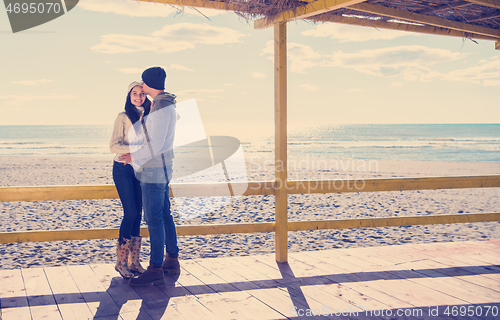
[132, 85]
[155, 78]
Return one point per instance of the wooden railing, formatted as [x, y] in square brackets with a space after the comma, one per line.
[254, 188]
[51, 193]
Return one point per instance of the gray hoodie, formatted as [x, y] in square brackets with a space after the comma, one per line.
[160, 125]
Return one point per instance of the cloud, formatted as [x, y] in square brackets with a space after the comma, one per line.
[143, 9]
[309, 87]
[409, 63]
[21, 100]
[487, 73]
[32, 82]
[412, 63]
[417, 63]
[345, 33]
[257, 75]
[171, 38]
[128, 8]
[301, 56]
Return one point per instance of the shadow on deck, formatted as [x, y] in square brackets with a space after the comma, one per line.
[456, 280]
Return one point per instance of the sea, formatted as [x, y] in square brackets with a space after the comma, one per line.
[431, 142]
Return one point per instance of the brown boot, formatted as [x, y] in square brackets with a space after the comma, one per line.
[122, 251]
[171, 265]
[151, 276]
[134, 265]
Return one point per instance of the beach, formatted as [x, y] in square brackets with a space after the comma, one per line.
[94, 170]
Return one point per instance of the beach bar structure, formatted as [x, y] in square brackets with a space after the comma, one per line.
[467, 19]
[440, 267]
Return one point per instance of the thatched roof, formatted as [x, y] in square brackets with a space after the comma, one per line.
[458, 10]
[465, 18]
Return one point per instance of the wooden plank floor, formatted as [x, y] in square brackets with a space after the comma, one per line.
[457, 280]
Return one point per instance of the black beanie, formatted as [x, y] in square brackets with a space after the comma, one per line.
[155, 78]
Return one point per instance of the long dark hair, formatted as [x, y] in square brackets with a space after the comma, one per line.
[131, 110]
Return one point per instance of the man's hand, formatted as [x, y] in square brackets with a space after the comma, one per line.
[127, 157]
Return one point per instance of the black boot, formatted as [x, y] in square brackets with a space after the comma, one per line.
[151, 276]
[171, 265]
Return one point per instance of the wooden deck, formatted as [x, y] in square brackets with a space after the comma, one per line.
[393, 282]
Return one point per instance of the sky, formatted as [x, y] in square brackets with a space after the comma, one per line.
[76, 70]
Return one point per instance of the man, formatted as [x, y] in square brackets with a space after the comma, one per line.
[155, 162]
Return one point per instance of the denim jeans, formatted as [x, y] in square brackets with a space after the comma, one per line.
[155, 195]
[129, 190]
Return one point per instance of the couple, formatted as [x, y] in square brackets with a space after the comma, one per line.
[142, 170]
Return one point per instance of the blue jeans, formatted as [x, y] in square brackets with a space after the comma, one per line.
[155, 196]
[129, 190]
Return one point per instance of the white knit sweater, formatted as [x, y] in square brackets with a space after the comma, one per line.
[119, 142]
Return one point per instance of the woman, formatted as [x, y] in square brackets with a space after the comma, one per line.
[129, 188]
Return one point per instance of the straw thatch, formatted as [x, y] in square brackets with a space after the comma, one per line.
[457, 10]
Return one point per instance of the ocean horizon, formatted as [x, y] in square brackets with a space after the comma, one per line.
[426, 142]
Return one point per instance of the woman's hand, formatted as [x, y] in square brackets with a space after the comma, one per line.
[127, 157]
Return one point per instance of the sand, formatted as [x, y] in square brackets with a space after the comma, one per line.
[84, 214]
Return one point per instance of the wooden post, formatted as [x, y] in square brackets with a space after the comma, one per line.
[280, 142]
[497, 45]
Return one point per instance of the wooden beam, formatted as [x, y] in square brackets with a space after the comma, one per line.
[55, 193]
[218, 5]
[228, 6]
[280, 141]
[378, 185]
[64, 235]
[491, 16]
[59, 235]
[112, 233]
[392, 222]
[380, 24]
[487, 3]
[444, 7]
[229, 228]
[303, 12]
[424, 19]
